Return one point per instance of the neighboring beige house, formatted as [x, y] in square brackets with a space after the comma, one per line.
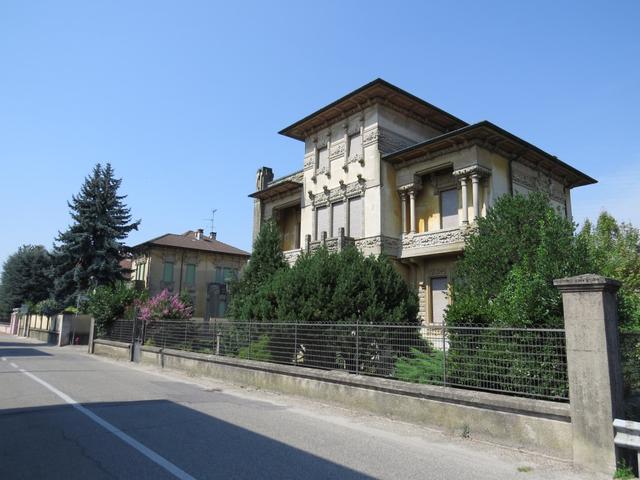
[392, 173]
[192, 262]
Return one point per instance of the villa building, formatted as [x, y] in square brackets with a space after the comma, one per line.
[391, 173]
[192, 262]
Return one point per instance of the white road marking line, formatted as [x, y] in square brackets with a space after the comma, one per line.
[147, 452]
[4, 359]
[13, 365]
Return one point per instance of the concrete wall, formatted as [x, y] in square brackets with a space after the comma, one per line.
[516, 422]
[114, 350]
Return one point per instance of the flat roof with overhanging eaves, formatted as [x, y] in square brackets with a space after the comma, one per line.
[491, 135]
[377, 91]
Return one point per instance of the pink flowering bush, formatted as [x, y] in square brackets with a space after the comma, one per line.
[164, 306]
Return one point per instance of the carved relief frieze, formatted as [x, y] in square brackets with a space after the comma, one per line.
[370, 136]
[380, 243]
[432, 239]
[337, 150]
[309, 161]
[329, 195]
[356, 157]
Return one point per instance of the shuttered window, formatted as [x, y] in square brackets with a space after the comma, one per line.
[449, 208]
[323, 221]
[355, 217]
[190, 277]
[167, 272]
[355, 144]
[339, 218]
[323, 159]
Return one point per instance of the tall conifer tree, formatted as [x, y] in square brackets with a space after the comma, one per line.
[88, 254]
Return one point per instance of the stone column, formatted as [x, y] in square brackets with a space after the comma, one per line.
[475, 194]
[593, 365]
[412, 210]
[403, 199]
[465, 208]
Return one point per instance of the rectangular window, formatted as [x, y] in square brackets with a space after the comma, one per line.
[323, 221]
[355, 144]
[167, 272]
[230, 274]
[449, 208]
[355, 217]
[218, 276]
[439, 300]
[323, 159]
[339, 219]
[190, 278]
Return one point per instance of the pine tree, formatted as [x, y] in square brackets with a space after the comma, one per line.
[266, 259]
[89, 252]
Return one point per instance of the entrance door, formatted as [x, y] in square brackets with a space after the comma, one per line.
[439, 302]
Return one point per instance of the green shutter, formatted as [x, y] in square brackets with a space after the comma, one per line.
[219, 278]
[191, 274]
[167, 274]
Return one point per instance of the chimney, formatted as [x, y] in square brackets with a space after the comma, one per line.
[199, 233]
[263, 177]
[212, 235]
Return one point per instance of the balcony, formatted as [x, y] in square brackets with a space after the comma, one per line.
[432, 243]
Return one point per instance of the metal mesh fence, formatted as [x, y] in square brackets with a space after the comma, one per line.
[525, 362]
[630, 356]
[119, 331]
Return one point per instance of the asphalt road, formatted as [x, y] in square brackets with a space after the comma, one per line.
[68, 415]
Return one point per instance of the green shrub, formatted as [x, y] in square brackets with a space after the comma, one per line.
[421, 367]
[47, 307]
[108, 303]
[258, 350]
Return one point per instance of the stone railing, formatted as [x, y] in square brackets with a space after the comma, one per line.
[333, 244]
[420, 243]
[292, 255]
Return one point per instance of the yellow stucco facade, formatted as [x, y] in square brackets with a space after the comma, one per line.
[392, 174]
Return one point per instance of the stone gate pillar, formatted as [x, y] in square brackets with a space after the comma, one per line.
[593, 365]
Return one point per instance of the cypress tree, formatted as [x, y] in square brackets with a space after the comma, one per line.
[89, 252]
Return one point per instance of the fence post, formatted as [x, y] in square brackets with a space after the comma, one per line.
[357, 346]
[295, 343]
[92, 332]
[593, 367]
[444, 356]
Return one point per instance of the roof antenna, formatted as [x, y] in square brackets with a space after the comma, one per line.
[212, 232]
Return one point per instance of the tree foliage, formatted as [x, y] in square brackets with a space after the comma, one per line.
[248, 293]
[337, 299]
[505, 277]
[89, 252]
[614, 250]
[26, 278]
[107, 303]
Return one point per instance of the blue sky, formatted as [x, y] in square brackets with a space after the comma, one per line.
[185, 98]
